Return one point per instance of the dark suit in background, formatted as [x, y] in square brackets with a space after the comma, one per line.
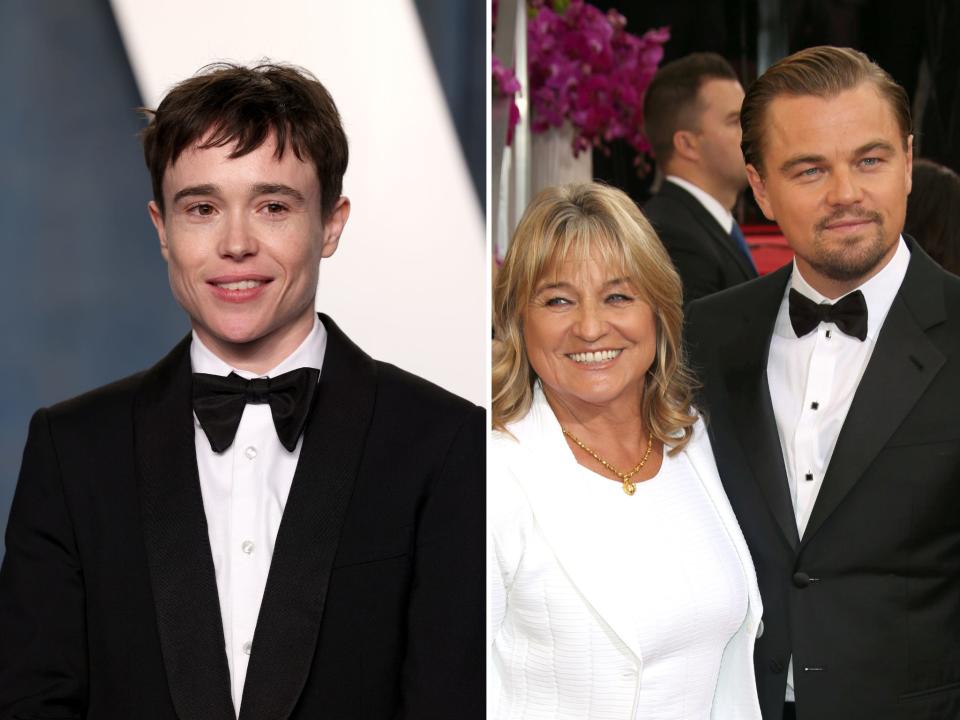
[374, 603]
[706, 257]
[868, 601]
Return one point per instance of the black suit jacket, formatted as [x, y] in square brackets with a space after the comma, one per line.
[374, 603]
[868, 601]
[706, 257]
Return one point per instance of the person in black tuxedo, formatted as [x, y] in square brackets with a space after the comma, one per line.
[692, 119]
[831, 387]
[267, 523]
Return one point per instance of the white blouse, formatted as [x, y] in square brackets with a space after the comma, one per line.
[685, 580]
[611, 606]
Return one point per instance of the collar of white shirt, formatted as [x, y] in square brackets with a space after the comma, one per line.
[308, 354]
[878, 292]
[709, 202]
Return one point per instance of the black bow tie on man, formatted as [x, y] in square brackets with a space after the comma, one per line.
[219, 402]
[849, 314]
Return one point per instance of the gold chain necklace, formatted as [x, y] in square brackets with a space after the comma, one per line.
[628, 487]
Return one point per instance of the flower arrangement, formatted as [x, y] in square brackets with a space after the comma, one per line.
[505, 84]
[585, 68]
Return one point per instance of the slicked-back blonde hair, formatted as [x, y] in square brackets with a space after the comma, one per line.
[575, 222]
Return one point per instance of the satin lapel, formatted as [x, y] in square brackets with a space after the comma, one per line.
[285, 641]
[177, 543]
[557, 494]
[709, 224]
[903, 364]
[744, 363]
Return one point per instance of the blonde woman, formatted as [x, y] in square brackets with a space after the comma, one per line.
[621, 584]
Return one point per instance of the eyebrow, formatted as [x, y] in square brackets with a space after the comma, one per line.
[563, 284]
[864, 149]
[873, 146]
[278, 189]
[801, 160]
[258, 189]
[207, 189]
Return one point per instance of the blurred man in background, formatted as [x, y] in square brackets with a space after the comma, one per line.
[692, 119]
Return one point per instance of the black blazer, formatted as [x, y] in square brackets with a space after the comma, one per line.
[374, 605]
[706, 257]
[868, 601]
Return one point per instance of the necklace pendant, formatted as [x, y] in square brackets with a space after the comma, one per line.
[629, 488]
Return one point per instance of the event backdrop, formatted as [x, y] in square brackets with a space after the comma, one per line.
[85, 299]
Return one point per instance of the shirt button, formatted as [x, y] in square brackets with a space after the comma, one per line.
[247, 547]
[246, 647]
[250, 452]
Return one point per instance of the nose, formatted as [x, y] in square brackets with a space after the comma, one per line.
[237, 240]
[591, 324]
[844, 188]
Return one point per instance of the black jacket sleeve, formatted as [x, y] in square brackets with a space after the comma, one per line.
[43, 653]
[443, 673]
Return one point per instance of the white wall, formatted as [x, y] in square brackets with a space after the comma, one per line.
[408, 282]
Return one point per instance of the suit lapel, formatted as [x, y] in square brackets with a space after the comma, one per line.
[744, 359]
[710, 225]
[177, 543]
[903, 364]
[285, 641]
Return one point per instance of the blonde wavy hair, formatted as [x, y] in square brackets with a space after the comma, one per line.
[574, 222]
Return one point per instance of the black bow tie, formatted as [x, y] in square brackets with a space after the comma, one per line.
[219, 402]
[849, 314]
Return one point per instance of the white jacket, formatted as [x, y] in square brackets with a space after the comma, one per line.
[530, 492]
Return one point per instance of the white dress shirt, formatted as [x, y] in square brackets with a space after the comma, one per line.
[721, 214]
[245, 490]
[812, 382]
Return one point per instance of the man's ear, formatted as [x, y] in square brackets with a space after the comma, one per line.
[909, 164]
[333, 226]
[156, 217]
[760, 192]
[686, 145]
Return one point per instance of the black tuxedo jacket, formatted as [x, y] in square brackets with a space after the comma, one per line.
[868, 601]
[374, 605]
[706, 257]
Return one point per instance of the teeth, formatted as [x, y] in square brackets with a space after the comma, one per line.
[241, 285]
[594, 357]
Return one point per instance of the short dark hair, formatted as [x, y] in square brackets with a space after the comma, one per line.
[229, 103]
[672, 100]
[933, 212]
[823, 72]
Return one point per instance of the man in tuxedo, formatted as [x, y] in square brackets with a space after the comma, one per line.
[267, 523]
[831, 389]
[692, 119]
